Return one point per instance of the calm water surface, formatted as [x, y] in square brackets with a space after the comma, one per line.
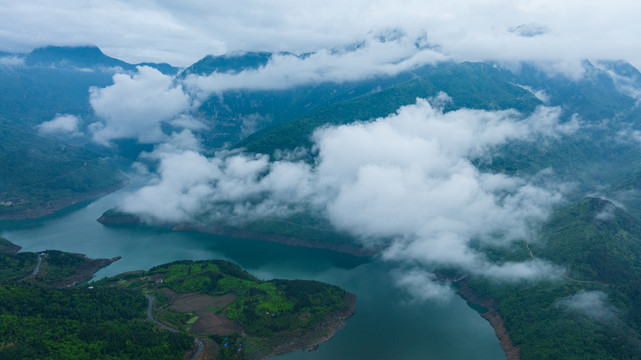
[386, 325]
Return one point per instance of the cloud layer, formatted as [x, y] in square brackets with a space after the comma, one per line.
[372, 57]
[182, 32]
[135, 106]
[408, 177]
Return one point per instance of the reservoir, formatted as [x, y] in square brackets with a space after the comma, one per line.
[388, 324]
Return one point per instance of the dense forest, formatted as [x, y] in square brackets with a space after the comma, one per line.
[107, 320]
[38, 321]
[592, 311]
[268, 312]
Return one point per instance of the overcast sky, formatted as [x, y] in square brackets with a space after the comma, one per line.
[181, 32]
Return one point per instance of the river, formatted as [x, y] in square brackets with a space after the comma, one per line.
[387, 323]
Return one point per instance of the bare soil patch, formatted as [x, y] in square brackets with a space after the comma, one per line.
[210, 323]
[194, 301]
[204, 306]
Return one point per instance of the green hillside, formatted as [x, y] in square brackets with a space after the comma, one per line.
[471, 85]
[39, 320]
[44, 316]
[40, 175]
[599, 246]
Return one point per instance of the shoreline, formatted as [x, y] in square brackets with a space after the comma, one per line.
[85, 272]
[81, 274]
[276, 238]
[53, 206]
[125, 220]
[307, 341]
[512, 352]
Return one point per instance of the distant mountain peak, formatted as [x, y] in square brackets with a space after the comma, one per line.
[72, 56]
[87, 56]
[233, 62]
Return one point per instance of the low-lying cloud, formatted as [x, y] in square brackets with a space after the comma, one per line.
[62, 124]
[592, 304]
[136, 106]
[11, 60]
[376, 56]
[422, 285]
[627, 84]
[607, 213]
[408, 177]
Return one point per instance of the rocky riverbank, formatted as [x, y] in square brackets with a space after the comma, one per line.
[492, 315]
[311, 338]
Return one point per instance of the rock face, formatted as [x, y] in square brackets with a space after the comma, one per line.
[512, 352]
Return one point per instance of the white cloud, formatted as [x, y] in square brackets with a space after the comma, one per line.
[627, 85]
[181, 32]
[608, 213]
[61, 124]
[408, 177]
[11, 61]
[135, 106]
[182, 189]
[250, 123]
[628, 135]
[592, 304]
[373, 57]
[422, 285]
[540, 94]
[186, 121]
[230, 185]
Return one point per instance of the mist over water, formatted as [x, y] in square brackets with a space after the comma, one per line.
[388, 323]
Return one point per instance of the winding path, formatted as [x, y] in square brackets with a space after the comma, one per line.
[150, 304]
[150, 299]
[565, 275]
[35, 271]
[201, 346]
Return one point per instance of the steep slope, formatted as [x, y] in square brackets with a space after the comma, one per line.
[472, 85]
[232, 115]
[56, 80]
[594, 95]
[592, 311]
[41, 175]
[603, 154]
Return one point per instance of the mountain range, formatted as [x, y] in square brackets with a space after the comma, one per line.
[593, 233]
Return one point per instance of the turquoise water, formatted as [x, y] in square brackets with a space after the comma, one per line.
[387, 323]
